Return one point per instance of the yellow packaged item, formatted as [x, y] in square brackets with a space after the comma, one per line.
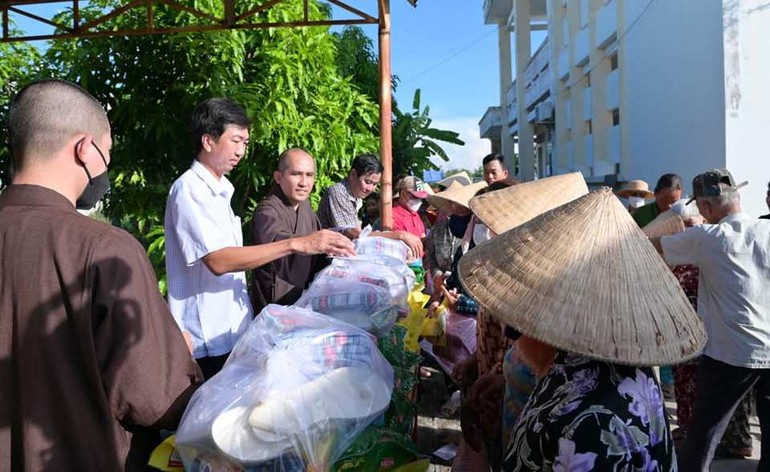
[165, 457]
[414, 319]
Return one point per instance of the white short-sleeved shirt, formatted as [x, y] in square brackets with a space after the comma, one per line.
[734, 286]
[199, 220]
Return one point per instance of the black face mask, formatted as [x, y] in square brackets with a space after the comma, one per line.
[97, 186]
[458, 225]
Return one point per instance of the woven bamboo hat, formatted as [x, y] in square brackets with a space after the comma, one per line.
[461, 178]
[456, 193]
[665, 224]
[504, 209]
[585, 279]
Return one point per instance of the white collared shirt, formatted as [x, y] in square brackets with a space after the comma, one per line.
[734, 286]
[199, 220]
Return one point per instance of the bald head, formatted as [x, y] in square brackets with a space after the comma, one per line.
[287, 156]
[46, 115]
[295, 175]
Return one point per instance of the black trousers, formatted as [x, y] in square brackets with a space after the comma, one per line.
[211, 365]
[719, 389]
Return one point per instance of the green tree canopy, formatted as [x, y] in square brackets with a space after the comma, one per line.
[415, 141]
[302, 87]
[287, 80]
[19, 62]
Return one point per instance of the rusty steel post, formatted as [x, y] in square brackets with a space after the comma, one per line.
[386, 123]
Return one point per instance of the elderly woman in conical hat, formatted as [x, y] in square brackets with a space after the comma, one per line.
[596, 307]
[497, 383]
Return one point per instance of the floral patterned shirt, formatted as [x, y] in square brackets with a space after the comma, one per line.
[591, 415]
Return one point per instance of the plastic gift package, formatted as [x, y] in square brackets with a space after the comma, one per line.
[396, 265]
[372, 270]
[297, 389]
[366, 244]
[360, 304]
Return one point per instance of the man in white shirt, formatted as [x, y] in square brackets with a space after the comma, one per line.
[733, 255]
[205, 257]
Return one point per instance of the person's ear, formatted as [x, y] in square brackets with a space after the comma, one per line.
[277, 175]
[208, 141]
[83, 147]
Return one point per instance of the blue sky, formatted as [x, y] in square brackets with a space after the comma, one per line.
[443, 48]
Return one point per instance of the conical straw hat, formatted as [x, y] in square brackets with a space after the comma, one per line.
[504, 209]
[456, 193]
[461, 178]
[665, 224]
[585, 279]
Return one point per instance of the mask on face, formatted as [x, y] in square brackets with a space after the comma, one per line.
[480, 233]
[414, 204]
[458, 225]
[635, 202]
[97, 186]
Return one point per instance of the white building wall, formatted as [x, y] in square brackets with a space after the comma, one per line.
[661, 107]
[673, 95]
[747, 108]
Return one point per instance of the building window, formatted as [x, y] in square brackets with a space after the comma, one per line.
[616, 117]
[587, 80]
[614, 62]
[587, 128]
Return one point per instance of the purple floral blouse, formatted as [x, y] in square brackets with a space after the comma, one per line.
[591, 415]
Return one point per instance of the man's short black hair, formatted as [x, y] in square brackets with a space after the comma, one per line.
[669, 181]
[365, 164]
[45, 114]
[213, 115]
[493, 157]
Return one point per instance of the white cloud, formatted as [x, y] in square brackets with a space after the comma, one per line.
[462, 157]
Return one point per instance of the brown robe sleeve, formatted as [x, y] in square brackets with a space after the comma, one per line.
[283, 280]
[147, 370]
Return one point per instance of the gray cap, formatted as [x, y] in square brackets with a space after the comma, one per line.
[714, 183]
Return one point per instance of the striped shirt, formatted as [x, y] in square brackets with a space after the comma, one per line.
[339, 207]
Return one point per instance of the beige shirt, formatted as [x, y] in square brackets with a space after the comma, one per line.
[734, 288]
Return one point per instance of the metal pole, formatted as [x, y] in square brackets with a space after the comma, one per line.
[386, 124]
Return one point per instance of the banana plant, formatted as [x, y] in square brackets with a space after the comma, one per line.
[415, 140]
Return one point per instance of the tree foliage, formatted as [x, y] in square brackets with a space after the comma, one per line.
[358, 60]
[287, 80]
[19, 62]
[415, 140]
[302, 87]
